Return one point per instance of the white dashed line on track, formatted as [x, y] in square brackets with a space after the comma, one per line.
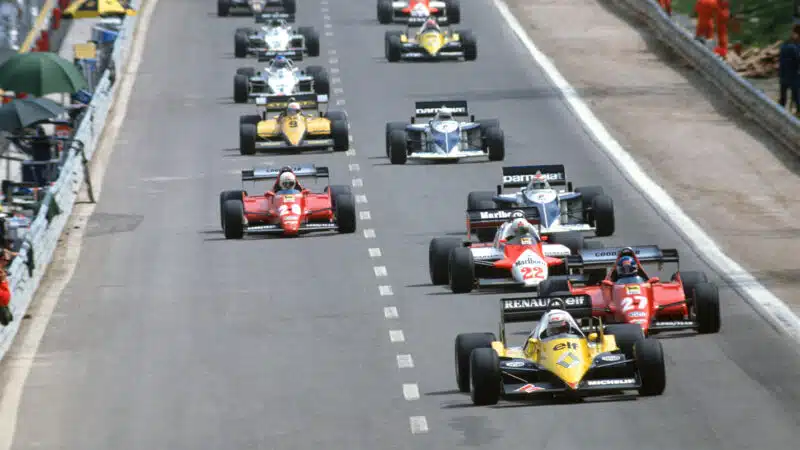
[326, 16]
[380, 271]
[350, 138]
[411, 391]
[365, 215]
[351, 152]
[327, 25]
[385, 291]
[396, 336]
[358, 182]
[419, 424]
[390, 312]
[369, 233]
[333, 61]
[334, 70]
[332, 52]
[336, 80]
[361, 198]
[329, 33]
[338, 91]
[405, 361]
[340, 102]
[374, 253]
[354, 167]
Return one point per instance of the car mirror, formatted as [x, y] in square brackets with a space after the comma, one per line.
[654, 280]
[607, 283]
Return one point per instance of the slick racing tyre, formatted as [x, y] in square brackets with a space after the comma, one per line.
[247, 139]
[690, 279]
[398, 147]
[603, 214]
[469, 44]
[290, 6]
[588, 193]
[391, 126]
[223, 8]
[224, 196]
[573, 240]
[462, 271]
[233, 219]
[485, 376]
[385, 11]
[311, 37]
[465, 344]
[241, 42]
[453, 10]
[345, 207]
[439, 259]
[649, 357]
[246, 71]
[340, 133]
[322, 85]
[337, 189]
[494, 143]
[393, 46]
[626, 335]
[241, 88]
[706, 308]
[251, 119]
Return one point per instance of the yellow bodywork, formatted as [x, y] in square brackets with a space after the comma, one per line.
[431, 41]
[294, 129]
[568, 358]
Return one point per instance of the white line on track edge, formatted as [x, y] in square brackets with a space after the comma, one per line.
[411, 391]
[770, 306]
[45, 301]
[419, 424]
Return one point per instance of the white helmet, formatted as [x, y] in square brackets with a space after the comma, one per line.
[444, 114]
[287, 180]
[538, 182]
[557, 323]
[293, 109]
[521, 226]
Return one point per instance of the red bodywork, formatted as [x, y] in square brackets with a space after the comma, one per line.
[413, 3]
[640, 303]
[289, 211]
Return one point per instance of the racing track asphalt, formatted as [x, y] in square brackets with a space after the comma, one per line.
[168, 336]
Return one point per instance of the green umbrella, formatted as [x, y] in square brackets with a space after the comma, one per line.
[40, 73]
[24, 112]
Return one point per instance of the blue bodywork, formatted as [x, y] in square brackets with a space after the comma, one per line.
[443, 142]
[550, 212]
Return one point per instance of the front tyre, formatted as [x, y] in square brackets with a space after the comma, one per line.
[439, 259]
[345, 205]
[465, 344]
[462, 271]
[485, 377]
[233, 219]
[649, 357]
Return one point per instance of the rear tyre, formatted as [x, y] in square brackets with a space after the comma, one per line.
[603, 214]
[453, 10]
[247, 139]
[322, 85]
[223, 8]
[223, 197]
[588, 193]
[233, 219]
[391, 126]
[439, 259]
[706, 308]
[394, 48]
[469, 45]
[398, 147]
[241, 88]
[251, 119]
[485, 377]
[626, 335]
[482, 200]
[465, 344]
[385, 11]
[571, 239]
[494, 143]
[552, 285]
[246, 71]
[340, 134]
[240, 44]
[338, 189]
[290, 6]
[649, 356]
[345, 206]
[311, 37]
[462, 270]
[689, 280]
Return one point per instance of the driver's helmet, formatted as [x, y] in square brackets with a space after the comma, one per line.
[287, 181]
[557, 323]
[275, 23]
[626, 266]
[430, 24]
[521, 227]
[538, 182]
[280, 62]
[293, 109]
[443, 114]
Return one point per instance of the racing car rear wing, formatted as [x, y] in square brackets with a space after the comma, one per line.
[271, 173]
[607, 256]
[294, 55]
[274, 103]
[267, 16]
[428, 109]
[493, 218]
[531, 309]
[519, 176]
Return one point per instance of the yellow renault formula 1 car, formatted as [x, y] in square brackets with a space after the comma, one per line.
[293, 128]
[558, 358]
[429, 42]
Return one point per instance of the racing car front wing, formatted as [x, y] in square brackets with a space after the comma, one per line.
[276, 229]
[593, 387]
[448, 156]
[308, 144]
[413, 54]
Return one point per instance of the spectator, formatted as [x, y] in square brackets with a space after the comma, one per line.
[6, 256]
[789, 69]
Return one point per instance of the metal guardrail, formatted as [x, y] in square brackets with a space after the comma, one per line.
[26, 271]
[757, 105]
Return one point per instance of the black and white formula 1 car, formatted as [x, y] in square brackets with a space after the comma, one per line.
[255, 7]
[584, 209]
[443, 136]
[280, 77]
[399, 11]
[276, 37]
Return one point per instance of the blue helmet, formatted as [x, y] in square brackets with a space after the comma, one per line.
[626, 266]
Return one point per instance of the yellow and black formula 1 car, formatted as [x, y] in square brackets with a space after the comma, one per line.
[558, 358]
[429, 42]
[291, 129]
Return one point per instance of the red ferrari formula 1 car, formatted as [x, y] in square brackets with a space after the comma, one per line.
[687, 302]
[287, 212]
[444, 11]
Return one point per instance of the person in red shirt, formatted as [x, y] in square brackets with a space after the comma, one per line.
[706, 12]
[6, 317]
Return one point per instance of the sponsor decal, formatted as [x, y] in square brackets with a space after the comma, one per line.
[528, 388]
[529, 177]
[637, 314]
[611, 382]
[680, 323]
[526, 241]
[568, 360]
[530, 261]
[421, 111]
[495, 215]
[565, 345]
[602, 254]
[541, 302]
[288, 198]
[611, 358]
[514, 364]
[633, 290]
